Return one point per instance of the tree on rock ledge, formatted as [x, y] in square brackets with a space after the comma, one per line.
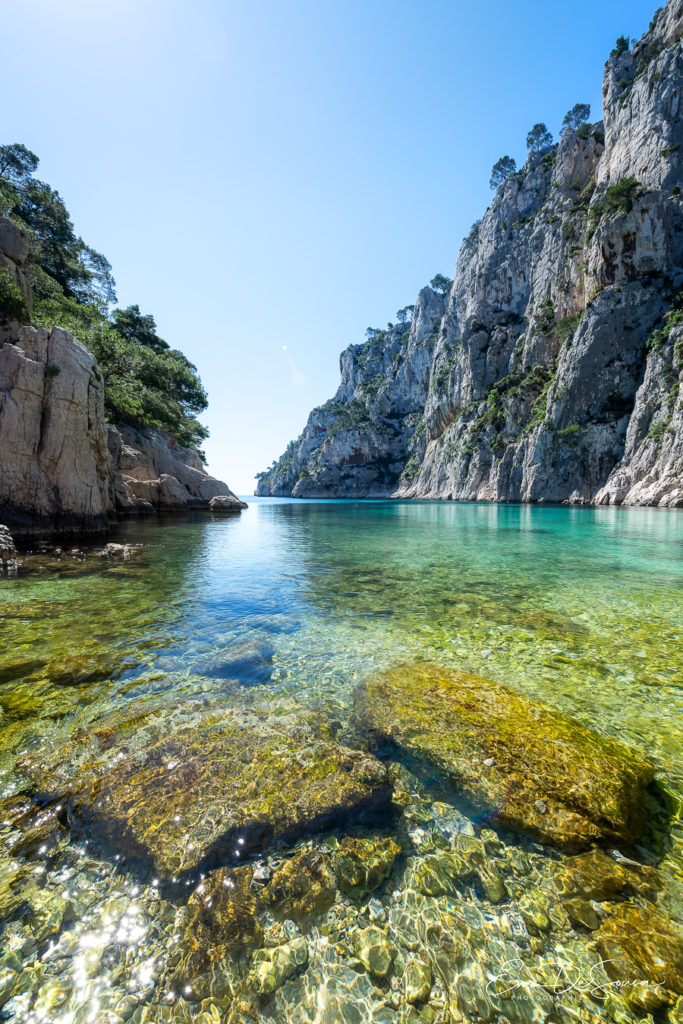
[441, 284]
[577, 116]
[538, 138]
[501, 171]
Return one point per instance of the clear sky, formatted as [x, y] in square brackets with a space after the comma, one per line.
[270, 177]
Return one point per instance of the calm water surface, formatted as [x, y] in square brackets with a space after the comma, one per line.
[581, 608]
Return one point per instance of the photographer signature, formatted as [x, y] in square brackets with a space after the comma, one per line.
[559, 977]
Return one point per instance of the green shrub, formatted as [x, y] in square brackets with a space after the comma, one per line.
[585, 197]
[545, 318]
[146, 384]
[659, 429]
[12, 306]
[660, 335]
[571, 430]
[617, 200]
[669, 150]
[565, 327]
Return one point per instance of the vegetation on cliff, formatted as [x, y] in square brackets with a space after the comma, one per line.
[147, 383]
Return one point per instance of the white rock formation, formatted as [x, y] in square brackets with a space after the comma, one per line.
[53, 438]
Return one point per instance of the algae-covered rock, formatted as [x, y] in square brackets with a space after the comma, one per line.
[363, 864]
[219, 922]
[219, 786]
[417, 981]
[437, 873]
[525, 765]
[595, 876]
[272, 967]
[639, 944]
[302, 885]
[373, 949]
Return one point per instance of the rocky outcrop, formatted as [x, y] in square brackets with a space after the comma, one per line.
[551, 370]
[53, 439]
[62, 469]
[150, 472]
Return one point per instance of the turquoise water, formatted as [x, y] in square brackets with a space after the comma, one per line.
[578, 607]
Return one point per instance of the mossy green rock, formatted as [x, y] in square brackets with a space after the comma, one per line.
[639, 944]
[219, 923]
[363, 864]
[301, 886]
[525, 765]
[373, 949]
[218, 785]
[417, 981]
[596, 876]
[272, 967]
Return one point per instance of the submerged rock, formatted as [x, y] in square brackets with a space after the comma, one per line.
[272, 967]
[417, 981]
[508, 755]
[595, 876]
[218, 787]
[302, 885]
[639, 944]
[373, 949]
[247, 661]
[218, 924]
[363, 864]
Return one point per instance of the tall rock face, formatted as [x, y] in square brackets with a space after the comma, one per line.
[551, 371]
[62, 469]
[54, 462]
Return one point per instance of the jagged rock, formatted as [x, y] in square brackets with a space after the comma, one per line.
[53, 443]
[61, 467]
[216, 786]
[150, 472]
[362, 865]
[114, 551]
[226, 503]
[7, 548]
[592, 787]
[540, 376]
[272, 967]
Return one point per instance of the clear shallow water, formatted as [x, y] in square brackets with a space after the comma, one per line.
[581, 608]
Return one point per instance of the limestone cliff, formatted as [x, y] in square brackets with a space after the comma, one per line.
[150, 472]
[551, 371]
[62, 469]
[53, 438]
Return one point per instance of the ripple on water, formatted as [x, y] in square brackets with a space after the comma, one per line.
[282, 614]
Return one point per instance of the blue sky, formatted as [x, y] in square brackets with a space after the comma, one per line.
[268, 179]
